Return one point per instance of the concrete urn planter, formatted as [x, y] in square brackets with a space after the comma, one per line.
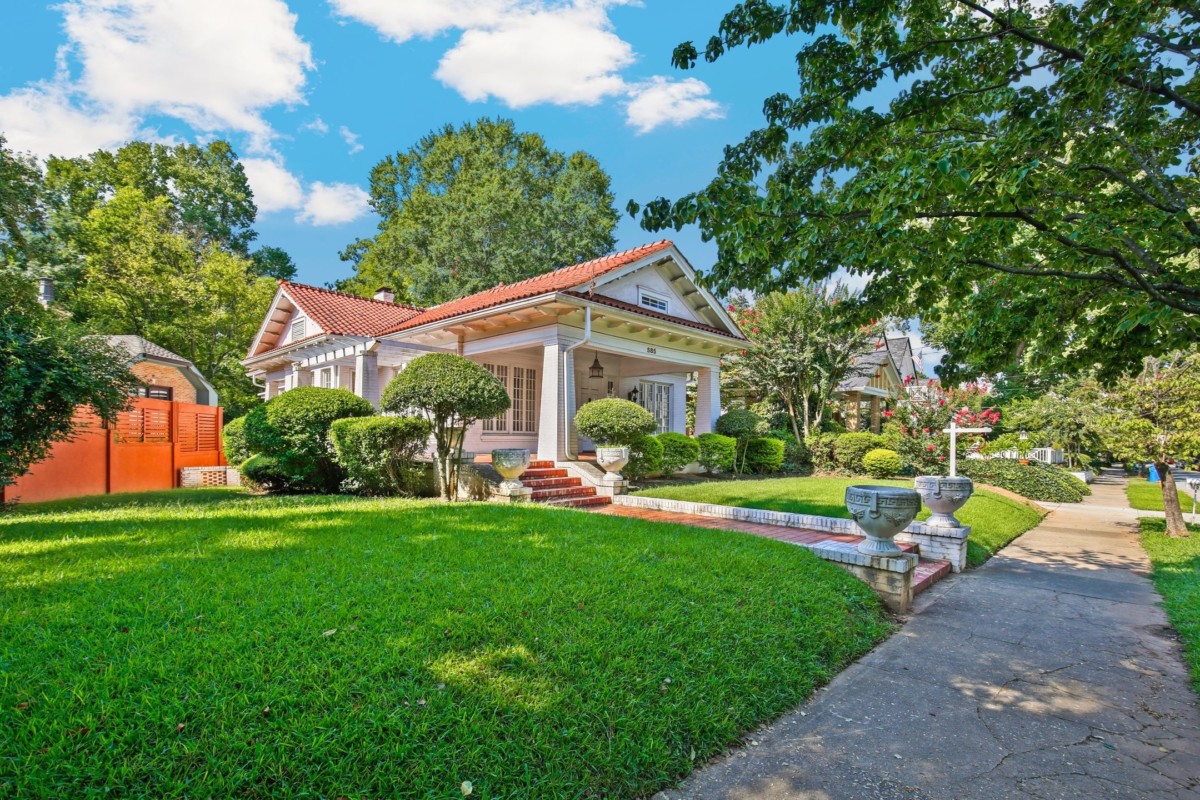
[510, 463]
[612, 460]
[944, 496]
[881, 512]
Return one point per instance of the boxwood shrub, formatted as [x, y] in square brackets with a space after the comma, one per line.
[849, 449]
[764, 455]
[379, 454]
[678, 451]
[614, 422]
[796, 456]
[293, 429]
[263, 472]
[716, 452]
[1034, 480]
[820, 451]
[233, 440]
[882, 463]
[645, 457]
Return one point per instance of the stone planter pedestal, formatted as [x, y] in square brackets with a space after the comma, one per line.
[881, 512]
[612, 460]
[510, 464]
[943, 496]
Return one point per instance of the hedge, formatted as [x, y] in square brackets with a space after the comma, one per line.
[614, 422]
[820, 450]
[716, 452]
[293, 428]
[764, 455]
[645, 457]
[233, 439]
[1034, 480]
[678, 451]
[796, 456]
[849, 449]
[379, 454]
[263, 472]
[882, 463]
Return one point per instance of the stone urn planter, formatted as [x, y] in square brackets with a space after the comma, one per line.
[944, 496]
[881, 512]
[612, 460]
[510, 463]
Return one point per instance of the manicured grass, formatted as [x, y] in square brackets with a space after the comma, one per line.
[995, 521]
[1177, 576]
[214, 644]
[1146, 496]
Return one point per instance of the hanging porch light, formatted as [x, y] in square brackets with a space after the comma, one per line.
[596, 371]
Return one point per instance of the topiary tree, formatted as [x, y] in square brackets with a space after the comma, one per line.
[453, 393]
[293, 429]
[849, 449]
[613, 422]
[645, 457]
[882, 463]
[678, 451]
[717, 452]
[233, 439]
[743, 425]
[379, 454]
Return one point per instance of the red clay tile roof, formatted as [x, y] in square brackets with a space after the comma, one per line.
[346, 314]
[557, 281]
[621, 304]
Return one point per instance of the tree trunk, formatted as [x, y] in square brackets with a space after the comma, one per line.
[791, 408]
[1175, 523]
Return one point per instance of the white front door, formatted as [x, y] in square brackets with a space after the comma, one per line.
[656, 398]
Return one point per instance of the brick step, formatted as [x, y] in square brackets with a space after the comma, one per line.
[541, 465]
[551, 483]
[565, 491]
[928, 572]
[578, 502]
[530, 474]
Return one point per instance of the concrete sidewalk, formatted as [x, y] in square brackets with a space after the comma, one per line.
[1050, 672]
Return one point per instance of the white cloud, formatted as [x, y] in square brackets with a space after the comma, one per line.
[660, 101]
[46, 119]
[333, 204]
[275, 189]
[401, 20]
[351, 138]
[316, 125]
[561, 55]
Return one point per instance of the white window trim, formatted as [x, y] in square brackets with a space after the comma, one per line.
[298, 324]
[645, 294]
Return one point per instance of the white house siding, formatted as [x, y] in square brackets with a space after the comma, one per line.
[310, 328]
[626, 290]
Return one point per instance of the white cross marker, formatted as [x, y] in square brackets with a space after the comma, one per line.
[954, 431]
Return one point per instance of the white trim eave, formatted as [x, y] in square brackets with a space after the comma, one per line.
[266, 318]
[289, 349]
[458, 319]
[604, 310]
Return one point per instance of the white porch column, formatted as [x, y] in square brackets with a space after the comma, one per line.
[296, 376]
[708, 399]
[551, 436]
[366, 377]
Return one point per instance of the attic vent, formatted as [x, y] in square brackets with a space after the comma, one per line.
[298, 329]
[653, 300]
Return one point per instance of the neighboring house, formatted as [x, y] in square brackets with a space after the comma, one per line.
[877, 380]
[163, 374]
[634, 324]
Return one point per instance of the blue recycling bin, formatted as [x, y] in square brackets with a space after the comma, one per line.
[1152, 477]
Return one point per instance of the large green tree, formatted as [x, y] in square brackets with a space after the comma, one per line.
[1030, 188]
[467, 208]
[22, 210]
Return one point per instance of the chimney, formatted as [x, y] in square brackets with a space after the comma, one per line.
[45, 291]
[384, 293]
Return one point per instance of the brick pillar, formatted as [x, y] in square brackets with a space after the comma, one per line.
[708, 399]
[876, 417]
[550, 419]
[366, 377]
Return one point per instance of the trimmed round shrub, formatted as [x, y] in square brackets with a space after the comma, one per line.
[613, 422]
[645, 457]
[764, 455]
[741, 424]
[882, 463]
[379, 454]
[233, 440]
[796, 456]
[1034, 480]
[849, 449]
[678, 451]
[820, 450]
[263, 472]
[293, 429]
[716, 452]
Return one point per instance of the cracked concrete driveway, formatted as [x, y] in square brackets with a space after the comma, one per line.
[1050, 672]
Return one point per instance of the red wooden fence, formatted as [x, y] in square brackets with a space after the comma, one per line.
[143, 451]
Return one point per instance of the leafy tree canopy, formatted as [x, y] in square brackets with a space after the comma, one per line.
[467, 208]
[1031, 189]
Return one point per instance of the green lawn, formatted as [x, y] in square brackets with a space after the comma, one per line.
[215, 644]
[1146, 496]
[1177, 576]
[995, 521]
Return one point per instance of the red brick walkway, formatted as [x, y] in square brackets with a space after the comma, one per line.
[928, 571]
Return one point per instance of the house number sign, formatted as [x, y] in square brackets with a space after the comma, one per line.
[652, 350]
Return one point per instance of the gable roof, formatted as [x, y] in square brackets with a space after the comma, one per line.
[557, 281]
[138, 347]
[865, 367]
[649, 312]
[342, 314]
[901, 349]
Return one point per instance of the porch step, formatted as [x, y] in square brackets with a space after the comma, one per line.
[542, 472]
[578, 502]
[551, 483]
[928, 572]
[541, 465]
[563, 491]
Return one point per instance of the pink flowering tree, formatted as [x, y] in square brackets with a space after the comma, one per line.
[915, 428]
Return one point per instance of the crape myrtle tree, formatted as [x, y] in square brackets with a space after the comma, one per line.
[1031, 186]
[467, 208]
[1155, 417]
[452, 393]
